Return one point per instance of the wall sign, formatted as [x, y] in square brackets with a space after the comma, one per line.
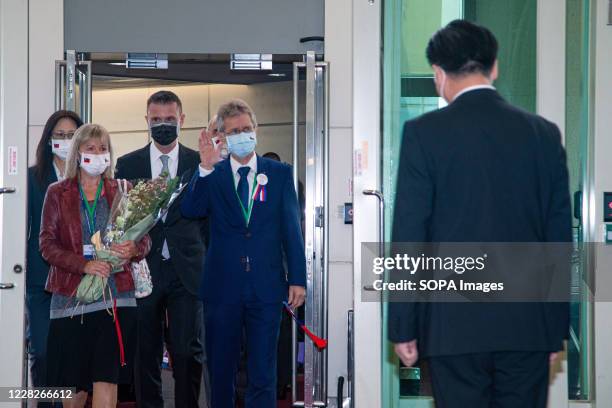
[12, 161]
[607, 207]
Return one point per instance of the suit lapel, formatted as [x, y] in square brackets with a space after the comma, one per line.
[52, 178]
[184, 165]
[139, 165]
[262, 168]
[145, 157]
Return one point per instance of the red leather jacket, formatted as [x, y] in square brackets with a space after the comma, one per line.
[61, 238]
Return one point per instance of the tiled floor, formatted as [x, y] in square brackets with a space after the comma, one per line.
[168, 391]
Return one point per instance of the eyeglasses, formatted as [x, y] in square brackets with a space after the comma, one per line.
[233, 132]
[63, 135]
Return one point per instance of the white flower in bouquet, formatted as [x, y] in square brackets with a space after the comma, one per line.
[132, 216]
[120, 222]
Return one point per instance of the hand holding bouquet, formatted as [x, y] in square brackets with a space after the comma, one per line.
[133, 214]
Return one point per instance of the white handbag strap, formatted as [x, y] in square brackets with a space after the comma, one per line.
[122, 185]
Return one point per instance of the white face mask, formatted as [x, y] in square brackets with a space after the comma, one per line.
[61, 147]
[95, 164]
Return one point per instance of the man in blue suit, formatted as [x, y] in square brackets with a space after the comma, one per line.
[253, 211]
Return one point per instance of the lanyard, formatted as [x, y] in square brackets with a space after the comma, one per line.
[90, 212]
[247, 213]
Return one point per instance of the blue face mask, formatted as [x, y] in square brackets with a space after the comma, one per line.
[242, 144]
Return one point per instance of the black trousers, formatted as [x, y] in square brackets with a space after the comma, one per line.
[38, 303]
[491, 380]
[183, 339]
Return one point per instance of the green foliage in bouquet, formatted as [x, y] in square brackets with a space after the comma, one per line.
[144, 201]
[133, 215]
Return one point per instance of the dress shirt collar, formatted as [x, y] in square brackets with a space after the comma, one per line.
[472, 88]
[236, 164]
[156, 153]
[57, 172]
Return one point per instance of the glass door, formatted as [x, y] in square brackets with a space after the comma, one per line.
[73, 90]
[578, 146]
[409, 91]
[315, 224]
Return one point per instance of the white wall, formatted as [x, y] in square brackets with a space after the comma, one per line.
[13, 173]
[122, 112]
[551, 45]
[46, 45]
[338, 52]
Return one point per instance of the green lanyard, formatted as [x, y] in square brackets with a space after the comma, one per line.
[91, 210]
[247, 213]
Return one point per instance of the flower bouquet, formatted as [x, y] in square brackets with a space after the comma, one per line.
[133, 214]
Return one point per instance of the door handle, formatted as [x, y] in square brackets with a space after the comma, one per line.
[381, 219]
[7, 285]
[7, 190]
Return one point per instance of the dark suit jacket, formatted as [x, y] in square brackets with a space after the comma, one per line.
[481, 170]
[186, 238]
[37, 268]
[274, 227]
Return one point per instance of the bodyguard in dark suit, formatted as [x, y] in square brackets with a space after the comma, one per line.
[50, 160]
[480, 170]
[254, 217]
[175, 262]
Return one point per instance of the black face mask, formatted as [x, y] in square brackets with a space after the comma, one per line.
[164, 133]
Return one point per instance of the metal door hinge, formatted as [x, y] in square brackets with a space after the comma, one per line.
[319, 217]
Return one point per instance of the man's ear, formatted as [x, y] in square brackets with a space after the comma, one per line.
[437, 72]
[495, 71]
[182, 119]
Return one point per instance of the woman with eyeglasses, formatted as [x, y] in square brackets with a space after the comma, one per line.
[50, 161]
[91, 341]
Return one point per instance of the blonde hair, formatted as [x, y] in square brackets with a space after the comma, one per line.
[84, 134]
[235, 107]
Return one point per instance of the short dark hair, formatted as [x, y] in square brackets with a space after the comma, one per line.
[463, 48]
[44, 152]
[272, 155]
[165, 97]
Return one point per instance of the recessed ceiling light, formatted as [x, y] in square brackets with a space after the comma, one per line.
[277, 75]
[120, 64]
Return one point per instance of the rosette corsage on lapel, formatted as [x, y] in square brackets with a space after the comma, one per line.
[260, 192]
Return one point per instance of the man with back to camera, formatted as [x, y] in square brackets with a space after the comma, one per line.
[254, 217]
[175, 262]
[467, 174]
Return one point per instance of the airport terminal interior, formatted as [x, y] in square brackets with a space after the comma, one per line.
[332, 83]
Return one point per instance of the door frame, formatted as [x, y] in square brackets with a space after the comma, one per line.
[14, 42]
[367, 375]
[367, 169]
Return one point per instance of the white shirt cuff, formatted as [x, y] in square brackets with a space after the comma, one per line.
[204, 172]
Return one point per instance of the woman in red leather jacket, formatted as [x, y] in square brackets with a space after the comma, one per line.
[89, 346]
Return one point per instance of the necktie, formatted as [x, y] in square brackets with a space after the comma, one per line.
[165, 171]
[243, 186]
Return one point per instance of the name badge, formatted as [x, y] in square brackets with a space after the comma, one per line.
[89, 251]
